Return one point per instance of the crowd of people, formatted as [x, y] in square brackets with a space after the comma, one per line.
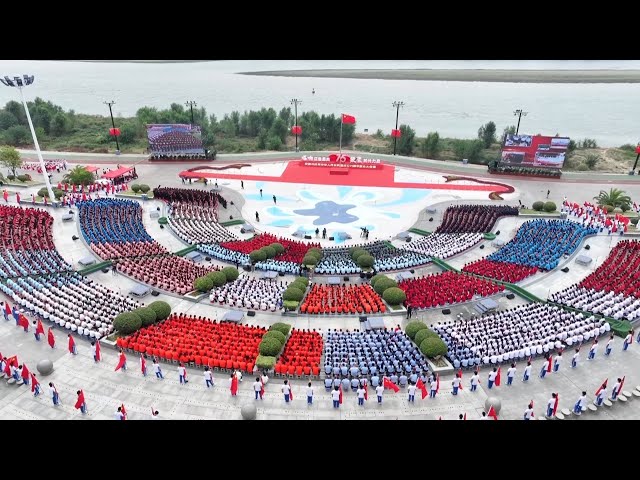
[301, 355]
[473, 218]
[49, 165]
[338, 299]
[595, 216]
[250, 292]
[516, 334]
[444, 245]
[503, 271]
[445, 288]
[294, 251]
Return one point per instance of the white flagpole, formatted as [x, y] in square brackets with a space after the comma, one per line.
[341, 123]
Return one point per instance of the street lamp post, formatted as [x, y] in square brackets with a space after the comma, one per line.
[295, 103]
[520, 113]
[113, 125]
[395, 138]
[20, 82]
[191, 104]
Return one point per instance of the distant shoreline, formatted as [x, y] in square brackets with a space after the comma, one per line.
[452, 75]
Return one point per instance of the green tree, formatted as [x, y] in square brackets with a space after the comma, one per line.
[407, 140]
[279, 129]
[614, 197]
[7, 119]
[430, 146]
[41, 117]
[58, 125]
[592, 160]
[78, 175]
[469, 149]
[17, 135]
[487, 133]
[10, 158]
[17, 110]
[128, 133]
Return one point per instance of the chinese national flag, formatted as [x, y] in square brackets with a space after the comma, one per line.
[555, 405]
[34, 383]
[340, 398]
[366, 392]
[460, 373]
[621, 385]
[261, 388]
[121, 362]
[348, 119]
[25, 372]
[40, 328]
[602, 387]
[386, 383]
[234, 385]
[72, 344]
[498, 379]
[290, 393]
[549, 362]
[124, 411]
[80, 401]
[423, 388]
[465, 416]
[98, 355]
[51, 339]
[492, 413]
[437, 382]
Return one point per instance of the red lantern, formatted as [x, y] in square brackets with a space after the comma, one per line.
[638, 149]
[296, 129]
[114, 132]
[396, 133]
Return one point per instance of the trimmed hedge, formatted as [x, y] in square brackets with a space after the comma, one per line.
[316, 252]
[218, 279]
[609, 208]
[264, 362]
[43, 192]
[382, 284]
[144, 188]
[538, 206]
[127, 322]
[310, 260]
[293, 293]
[299, 285]
[357, 252]
[135, 187]
[279, 336]
[394, 296]
[413, 328]
[203, 284]
[423, 334]
[147, 315]
[549, 207]
[377, 277]
[269, 347]
[634, 221]
[281, 327]
[270, 252]
[365, 261]
[23, 178]
[303, 280]
[257, 256]
[290, 305]
[432, 347]
[278, 247]
[163, 220]
[162, 309]
[231, 273]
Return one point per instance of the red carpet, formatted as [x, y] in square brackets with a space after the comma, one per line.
[356, 177]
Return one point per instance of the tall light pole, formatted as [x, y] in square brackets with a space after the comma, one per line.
[295, 103]
[191, 104]
[113, 125]
[520, 113]
[396, 104]
[20, 82]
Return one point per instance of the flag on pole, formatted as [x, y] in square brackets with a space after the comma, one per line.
[465, 416]
[7, 308]
[549, 362]
[261, 387]
[531, 407]
[124, 412]
[25, 373]
[423, 388]
[492, 413]
[121, 361]
[619, 388]
[72, 344]
[22, 320]
[40, 328]
[234, 385]
[80, 401]
[460, 374]
[51, 339]
[290, 393]
[34, 383]
[387, 383]
[498, 378]
[555, 405]
[602, 387]
[348, 119]
[366, 392]
[143, 364]
[340, 398]
[437, 382]
[98, 354]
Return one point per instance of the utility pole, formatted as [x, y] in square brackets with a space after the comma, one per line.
[396, 104]
[637, 157]
[295, 103]
[520, 113]
[191, 104]
[113, 125]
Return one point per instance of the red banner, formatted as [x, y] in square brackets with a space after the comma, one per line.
[296, 129]
[396, 133]
[342, 161]
[114, 132]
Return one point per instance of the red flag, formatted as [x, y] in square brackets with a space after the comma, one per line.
[121, 361]
[290, 393]
[124, 411]
[602, 387]
[387, 383]
[72, 344]
[366, 392]
[34, 383]
[437, 382]
[51, 339]
[80, 401]
[234, 385]
[621, 385]
[25, 372]
[7, 369]
[349, 119]
[143, 364]
[396, 133]
[340, 397]
[549, 362]
[532, 408]
[492, 413]
[261, 387]
[460, 374]
[555, 405]
[39, 327]
[465, 416]
[498, 378]
[7, 308]
[423, 388]
[22, 320]
[98, 355]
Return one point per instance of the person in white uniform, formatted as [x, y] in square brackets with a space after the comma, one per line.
[580, 404]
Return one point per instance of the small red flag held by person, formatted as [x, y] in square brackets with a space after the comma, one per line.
[348, 119]
[98, 355]
[387, 383]
[555, 405]
[602, 387]
[80, 401]
[40, 328]
[121, 361]
[51, 339]
[72, 344]
[25, 372]
[7, 308]
[549, 362]
[492, 413]
[340, 398]
[531, 406]
[234, 385]
[621, 385]
[34, 383]
[460, 374]
[22, 320]
[143, 364]
[366, 392]
[290, 393]
[437, 382]
[423, 388]
[124, 412]
[498, 378]
[261, 388]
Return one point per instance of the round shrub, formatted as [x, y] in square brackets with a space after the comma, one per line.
[270, 252]
[162, 309]
[299, 285]
[218, 279]
[302, 280]
[384, 283]
[264, 362]
[424, 334]
[279, 336]
[147, 315]
[634, 221]
[357, 252]
[163, 220]
[549, 207]
[414, 327]
[316, 252]
[365, 261]
[43, 192]
[309, 260]
[127, 322]
[277, 247]
[203, 284]
[269, 347]
[281, 327]
[609, 208]
[538, 206]
[625, 207]
[231, 273]
[144, 188]
[135, 187]
[257, 256]
[394, 296]
[377, 277]
[432, 347]
[11, 177]
[290, 305]
[293, 293]
[23, 178]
